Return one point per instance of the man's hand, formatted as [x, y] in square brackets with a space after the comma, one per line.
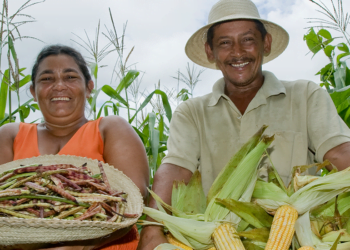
[151, 237]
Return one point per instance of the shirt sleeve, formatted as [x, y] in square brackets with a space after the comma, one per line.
[326, 129]
[183, 142]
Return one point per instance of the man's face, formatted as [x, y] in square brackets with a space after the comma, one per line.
[238, 51]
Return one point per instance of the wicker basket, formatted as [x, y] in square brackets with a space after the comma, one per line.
[14, 231]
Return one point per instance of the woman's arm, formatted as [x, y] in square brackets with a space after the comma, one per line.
[8, 133]
[124, 150]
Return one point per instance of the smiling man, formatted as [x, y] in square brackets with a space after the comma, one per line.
[206, 131]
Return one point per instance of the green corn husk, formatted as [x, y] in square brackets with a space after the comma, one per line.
[259, 234]
[251, 213]
[249, 245]
[226, 172]
[238, 182]
[189, 198]
[196, 234]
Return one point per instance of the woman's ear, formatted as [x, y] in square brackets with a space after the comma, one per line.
[32, 91]
[90, 87]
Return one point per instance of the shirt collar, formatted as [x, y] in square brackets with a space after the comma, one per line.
[272, 86]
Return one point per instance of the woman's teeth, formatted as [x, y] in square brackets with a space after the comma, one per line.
[60, 99]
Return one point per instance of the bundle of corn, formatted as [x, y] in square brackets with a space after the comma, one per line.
[304, 194]
[215, 226]
[60, 191]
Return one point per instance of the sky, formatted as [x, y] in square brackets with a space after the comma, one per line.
[158, 30]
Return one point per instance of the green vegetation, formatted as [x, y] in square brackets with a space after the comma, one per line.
[335, 76]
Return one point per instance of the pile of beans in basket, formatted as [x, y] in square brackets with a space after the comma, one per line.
[60, 191]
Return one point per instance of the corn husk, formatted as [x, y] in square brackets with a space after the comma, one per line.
[237, 158]
[238, 182]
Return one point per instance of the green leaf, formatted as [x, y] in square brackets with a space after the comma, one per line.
[108, 90]
[312, 41]
[154, 140]
[341, 95]
[3, 94]
[25, 111]
[94, 99]
[143, 137]
[12, 48]
[127, 80]
[328, 50]
[248, 245]
[340, 56]
[325, 33]
[22, 82]
[343, 47]
[4, 120]
[165, 102]
[161, 127]
[340, 77]
[94, 69]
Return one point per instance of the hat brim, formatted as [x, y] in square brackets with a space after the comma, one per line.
[195, 49]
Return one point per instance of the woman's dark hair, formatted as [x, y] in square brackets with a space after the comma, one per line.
[61, 50]
[210, 33]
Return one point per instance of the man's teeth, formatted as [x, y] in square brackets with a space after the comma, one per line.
[60, 99]
[239, 65]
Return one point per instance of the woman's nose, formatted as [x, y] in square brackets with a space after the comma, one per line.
[60, 84]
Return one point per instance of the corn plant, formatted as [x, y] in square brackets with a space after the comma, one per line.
[13, 78]
[190, 79]
[335, 76]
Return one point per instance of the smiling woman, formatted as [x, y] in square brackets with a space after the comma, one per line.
[60, 84]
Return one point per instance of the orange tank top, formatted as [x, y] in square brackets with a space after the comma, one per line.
[86, 142]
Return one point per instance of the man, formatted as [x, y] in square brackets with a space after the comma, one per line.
[206, 131]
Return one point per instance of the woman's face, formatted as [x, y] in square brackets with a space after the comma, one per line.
[60, 89]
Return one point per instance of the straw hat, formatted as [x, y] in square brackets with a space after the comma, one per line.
[225, 10]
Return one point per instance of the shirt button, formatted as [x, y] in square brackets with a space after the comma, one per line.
[239, 117]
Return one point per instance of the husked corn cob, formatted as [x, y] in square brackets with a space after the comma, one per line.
[282, 228]
[173, 241]
[225, 238]
[306, 248]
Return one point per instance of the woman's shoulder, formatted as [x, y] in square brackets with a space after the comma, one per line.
[9, 130]
[114, 124]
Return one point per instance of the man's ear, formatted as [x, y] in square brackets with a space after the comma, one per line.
[209, 52]
[32, 91]
[90, 87]
[267, 44]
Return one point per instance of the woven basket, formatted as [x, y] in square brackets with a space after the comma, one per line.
[14, 231]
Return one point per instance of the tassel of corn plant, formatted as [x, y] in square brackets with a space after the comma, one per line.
[306, 248]
[173, 241]
[282, 229]
[225, 238]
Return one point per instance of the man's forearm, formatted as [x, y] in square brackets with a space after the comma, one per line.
[339, 156]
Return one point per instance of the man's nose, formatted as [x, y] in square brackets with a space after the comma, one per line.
[237, 49]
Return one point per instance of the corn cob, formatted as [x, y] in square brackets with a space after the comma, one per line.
[306, 248]
[173, 241]
[225, 238]
[282, 228]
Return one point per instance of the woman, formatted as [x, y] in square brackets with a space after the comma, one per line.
[61, 83]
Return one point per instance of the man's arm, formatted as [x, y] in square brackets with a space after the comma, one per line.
[152, 236]
[339, 156]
